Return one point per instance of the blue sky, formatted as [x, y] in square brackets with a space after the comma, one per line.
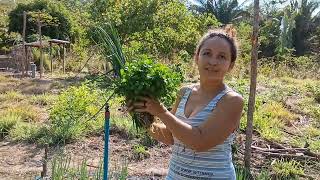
[261, 1]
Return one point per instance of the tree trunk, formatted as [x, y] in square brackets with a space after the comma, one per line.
[253, 82]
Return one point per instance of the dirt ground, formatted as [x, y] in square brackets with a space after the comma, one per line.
[24, 161]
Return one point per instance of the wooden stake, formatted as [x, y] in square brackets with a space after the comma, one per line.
[45, 161]
[253, 84]
[41, 53]
[64, 59]
[51, 68]
[24, 59]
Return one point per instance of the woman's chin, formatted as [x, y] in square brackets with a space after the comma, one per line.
[213, 79]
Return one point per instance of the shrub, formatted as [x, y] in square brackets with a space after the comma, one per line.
[70, 113]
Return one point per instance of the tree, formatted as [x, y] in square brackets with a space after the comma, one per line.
[304, 22]
[7, 39]
[57, 19]
[287, 26]
[226, 11]
[161, 28]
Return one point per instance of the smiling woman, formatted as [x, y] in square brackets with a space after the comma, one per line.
[202, 123]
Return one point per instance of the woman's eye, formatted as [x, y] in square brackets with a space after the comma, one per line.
[222, 57]
[205, 53]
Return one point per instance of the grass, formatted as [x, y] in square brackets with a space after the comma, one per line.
[312, 132]
[308, 106]
[43, 99]
[140, 152]
[315, 146]
[4, 79]
[62, 167]
[11, 96]
[26, 112]
[269, 119]
[7, 123]
[287, 169]
[25, 132]
[276, 110]
[242, 173]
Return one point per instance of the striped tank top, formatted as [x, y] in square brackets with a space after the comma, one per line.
[216, 163]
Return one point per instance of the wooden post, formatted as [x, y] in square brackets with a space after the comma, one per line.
[64, 59]
[253, 84]
[45, 161]
[40, 40]
[51, 66]
[24, 59]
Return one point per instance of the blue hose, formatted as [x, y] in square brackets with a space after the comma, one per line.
[106, 142]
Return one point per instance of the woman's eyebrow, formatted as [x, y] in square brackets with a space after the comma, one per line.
[206, 49]
[222, 53]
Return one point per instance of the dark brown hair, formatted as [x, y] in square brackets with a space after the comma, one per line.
[228, 33]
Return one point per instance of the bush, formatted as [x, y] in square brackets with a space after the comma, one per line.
[70, 113]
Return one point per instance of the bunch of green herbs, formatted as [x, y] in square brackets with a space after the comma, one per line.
[137, 77]
[147, 78]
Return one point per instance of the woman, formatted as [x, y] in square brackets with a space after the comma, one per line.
[205, 116]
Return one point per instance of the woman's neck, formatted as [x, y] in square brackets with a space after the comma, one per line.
[208, 88]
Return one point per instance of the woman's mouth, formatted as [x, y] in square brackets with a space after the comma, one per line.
[211, 70]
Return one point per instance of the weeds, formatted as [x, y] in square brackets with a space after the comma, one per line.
[242, 173]
[28, 113]
[269, 118]
[13, 96]
[7, 122]
[140, 152]
[287, 169]
[42, 100]
[62, 169]
[23, 131]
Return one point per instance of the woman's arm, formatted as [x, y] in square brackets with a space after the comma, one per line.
[221, 123]
[160, 131]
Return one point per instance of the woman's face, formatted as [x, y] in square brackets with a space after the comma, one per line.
[214, 59]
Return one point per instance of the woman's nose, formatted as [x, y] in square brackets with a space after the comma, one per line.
[213, 61]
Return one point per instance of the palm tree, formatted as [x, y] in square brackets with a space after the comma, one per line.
[226, 11]
[305, 23]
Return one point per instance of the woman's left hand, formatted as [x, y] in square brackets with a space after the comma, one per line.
[149, 105]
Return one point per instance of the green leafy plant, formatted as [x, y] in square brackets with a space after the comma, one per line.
[141, 77]
[70, 113]
[146, 78]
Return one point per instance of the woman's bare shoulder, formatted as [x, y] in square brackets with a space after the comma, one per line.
[184, 88]
[233, 99]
